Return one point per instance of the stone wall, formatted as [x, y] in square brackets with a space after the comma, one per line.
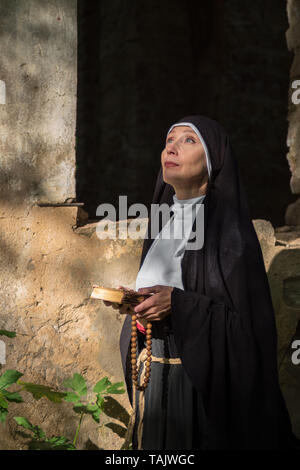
[47, 269]
[292, 216]
[38, 66]
[284, 277]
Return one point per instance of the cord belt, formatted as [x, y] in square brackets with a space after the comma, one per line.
[141, 359]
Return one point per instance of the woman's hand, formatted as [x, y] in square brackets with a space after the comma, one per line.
[123, 308]
[157, 306]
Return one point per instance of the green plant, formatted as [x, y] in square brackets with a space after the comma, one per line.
[95, 407]
[9, 334]
[8, 378]
[77, 396]
[39, 441]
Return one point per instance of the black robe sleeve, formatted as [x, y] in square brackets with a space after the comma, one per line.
[221, 357]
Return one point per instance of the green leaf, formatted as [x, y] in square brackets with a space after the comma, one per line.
[61, 441]
[50, 445]
[100, 402]
[40, 442]
[71, 397]
[101, 385]
[3, 402]
[82, 408]
[37, 431]
[79, 407]
[9, 377]
[115, 388]
[9, 334]
[39, 391]
[23, 422]
[58, 440]
[91, 407]
[76, 383]
[12, 396]
[3, 414]
[96, 415]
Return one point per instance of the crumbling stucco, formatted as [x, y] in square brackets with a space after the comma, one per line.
[38, 66]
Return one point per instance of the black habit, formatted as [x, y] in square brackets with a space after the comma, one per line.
[223, 321]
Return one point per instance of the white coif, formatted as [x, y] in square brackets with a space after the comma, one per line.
[162, 264]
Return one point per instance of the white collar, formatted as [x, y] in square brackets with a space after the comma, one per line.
[193, 200]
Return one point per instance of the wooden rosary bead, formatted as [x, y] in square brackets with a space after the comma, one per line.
[134, 371]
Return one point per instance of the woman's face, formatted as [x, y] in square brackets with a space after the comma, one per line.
[183, 158]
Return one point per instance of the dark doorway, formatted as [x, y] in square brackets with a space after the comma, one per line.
[143, 64]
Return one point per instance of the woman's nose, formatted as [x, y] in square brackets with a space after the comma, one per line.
[171, 147]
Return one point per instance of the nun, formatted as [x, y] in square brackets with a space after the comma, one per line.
[214, 378]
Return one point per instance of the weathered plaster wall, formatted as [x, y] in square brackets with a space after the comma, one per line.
[38, 66]
[47, 269]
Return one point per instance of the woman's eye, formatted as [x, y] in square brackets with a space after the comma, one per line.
[187, 138]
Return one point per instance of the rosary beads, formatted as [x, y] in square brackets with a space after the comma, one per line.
[134, 370]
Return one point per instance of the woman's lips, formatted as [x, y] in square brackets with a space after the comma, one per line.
[170, 164]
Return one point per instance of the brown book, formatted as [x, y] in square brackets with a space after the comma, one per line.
[118, 295]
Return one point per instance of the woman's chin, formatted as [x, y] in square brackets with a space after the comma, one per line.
[170, 177]
[169, 180]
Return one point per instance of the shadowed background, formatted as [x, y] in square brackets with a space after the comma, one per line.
[144, 64]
